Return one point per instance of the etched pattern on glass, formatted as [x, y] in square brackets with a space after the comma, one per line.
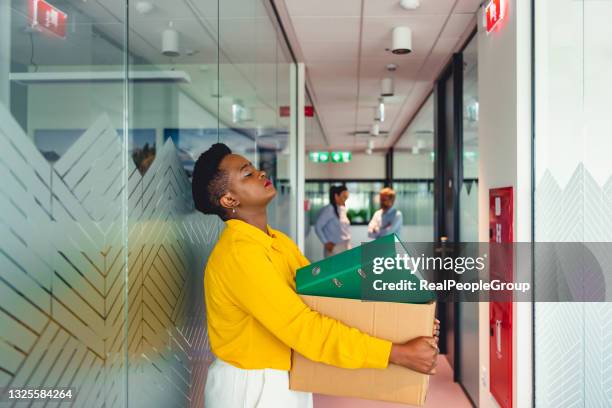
[63, 272]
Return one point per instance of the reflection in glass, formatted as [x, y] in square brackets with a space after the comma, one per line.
[413, 172]
[102, 253]
[468, 196]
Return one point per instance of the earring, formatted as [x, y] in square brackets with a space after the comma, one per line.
[234, 210]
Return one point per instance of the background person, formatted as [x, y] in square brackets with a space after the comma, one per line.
[388, 219]
[254, 316]
[332, 225]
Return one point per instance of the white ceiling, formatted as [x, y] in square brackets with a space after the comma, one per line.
[343, 42]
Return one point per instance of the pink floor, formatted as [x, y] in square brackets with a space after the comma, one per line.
[443, 393]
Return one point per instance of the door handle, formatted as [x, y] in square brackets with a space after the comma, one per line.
[498, 327]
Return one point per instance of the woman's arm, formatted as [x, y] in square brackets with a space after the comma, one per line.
[255, 286]
[374, 226]
[395, 224]
[418, 354]
[324, 217]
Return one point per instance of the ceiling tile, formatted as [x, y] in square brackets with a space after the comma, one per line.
[467, 6]
[322, 29]
[299, 8]
[393, 8]
[329, 51]
[406, 69]
[456, 25]
[335, 70]
[330, 40]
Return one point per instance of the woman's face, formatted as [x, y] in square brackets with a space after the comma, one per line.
[342, 197]
[247, 187]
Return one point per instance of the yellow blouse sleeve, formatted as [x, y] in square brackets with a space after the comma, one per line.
[301, 258]
[255, 285]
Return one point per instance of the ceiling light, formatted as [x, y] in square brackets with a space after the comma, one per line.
[380, 111]
[386, 86]
[370, 147]
[375, 129]
[27, 78]
[237, 111]
[170, 42]
[402, 40]
[410, 4]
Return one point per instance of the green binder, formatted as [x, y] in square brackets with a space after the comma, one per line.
[350, 275]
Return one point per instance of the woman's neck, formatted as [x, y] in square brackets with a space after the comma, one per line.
[257, 218]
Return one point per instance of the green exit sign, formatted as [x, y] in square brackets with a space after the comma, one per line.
[319, 157]
[334, 157]
[341, 157]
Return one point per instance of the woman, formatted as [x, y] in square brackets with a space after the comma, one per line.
[332, 226]
[254, 316]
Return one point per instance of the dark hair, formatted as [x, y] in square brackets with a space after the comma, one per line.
[209, 183]
[333, 191]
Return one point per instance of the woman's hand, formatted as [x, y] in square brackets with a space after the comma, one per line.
[418, 354]
[329, 246]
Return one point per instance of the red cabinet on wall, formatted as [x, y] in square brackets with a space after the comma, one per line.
[501, 223]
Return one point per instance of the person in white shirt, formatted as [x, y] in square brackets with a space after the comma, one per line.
[332, 225]
[387, 220]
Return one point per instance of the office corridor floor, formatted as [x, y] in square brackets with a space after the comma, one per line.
[443, 393]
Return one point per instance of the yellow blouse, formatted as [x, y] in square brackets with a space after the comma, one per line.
[255, 316]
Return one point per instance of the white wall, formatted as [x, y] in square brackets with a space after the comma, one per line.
[504, 134]
[361, 166]
[408, 165]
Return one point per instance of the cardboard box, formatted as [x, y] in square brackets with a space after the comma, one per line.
[397, 322]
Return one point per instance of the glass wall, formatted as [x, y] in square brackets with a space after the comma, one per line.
[104, 108]
[361, 204]
[468, 197]
[467, 313]
[573, 192]
[413, 174]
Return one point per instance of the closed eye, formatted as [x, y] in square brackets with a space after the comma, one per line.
[249, 171]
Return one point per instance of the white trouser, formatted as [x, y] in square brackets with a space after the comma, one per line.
[339, 247]
[231, 387]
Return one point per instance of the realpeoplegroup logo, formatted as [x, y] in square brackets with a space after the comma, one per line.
[483, 271]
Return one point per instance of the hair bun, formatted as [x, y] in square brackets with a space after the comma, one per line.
[204, 169]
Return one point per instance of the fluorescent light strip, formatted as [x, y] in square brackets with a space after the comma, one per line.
[102, 76]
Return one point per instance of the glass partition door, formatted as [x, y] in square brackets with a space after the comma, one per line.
[573, 193]
[104, 108]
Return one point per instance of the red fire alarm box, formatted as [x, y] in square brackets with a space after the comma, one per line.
[501, 221]
[44, 16]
